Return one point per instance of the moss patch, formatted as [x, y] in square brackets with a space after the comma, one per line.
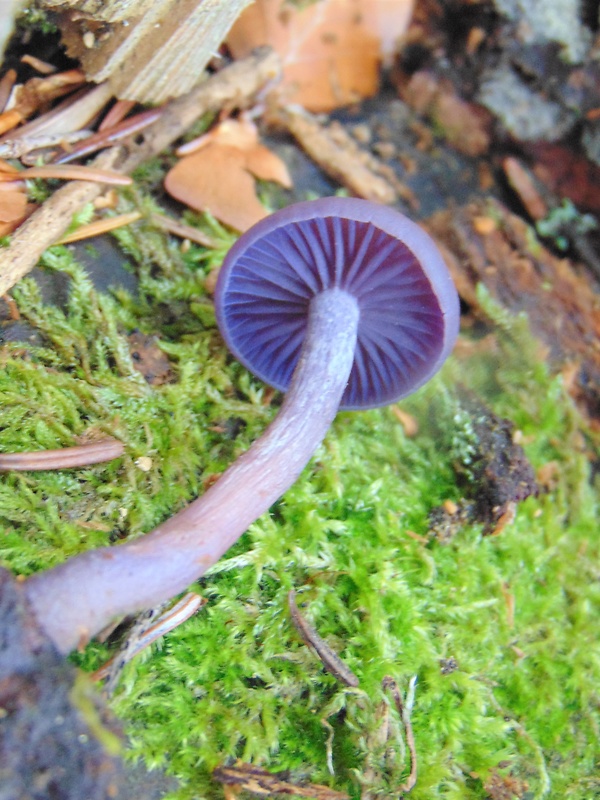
[499, 631]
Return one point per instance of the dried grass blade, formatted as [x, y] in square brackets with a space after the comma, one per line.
[100, 226]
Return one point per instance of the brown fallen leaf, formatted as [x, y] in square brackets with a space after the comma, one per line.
[266, 166]
[218, 175]
[243, 134]
[215, 179]
[331, 49]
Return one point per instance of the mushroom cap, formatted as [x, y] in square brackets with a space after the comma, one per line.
[409, 309]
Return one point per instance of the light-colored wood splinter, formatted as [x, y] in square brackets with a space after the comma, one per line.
[330, 660]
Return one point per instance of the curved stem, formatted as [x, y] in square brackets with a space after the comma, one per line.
[75, 600]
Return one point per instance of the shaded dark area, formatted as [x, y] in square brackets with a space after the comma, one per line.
[47, 749]
[534, 87]
[57, 738]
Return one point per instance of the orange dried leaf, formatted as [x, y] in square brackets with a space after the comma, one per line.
[13, 205]
[215, 179]
[216, 175]
[331, 49]
[9, 120]
[267, 166]
[241, 133]
[8, 227]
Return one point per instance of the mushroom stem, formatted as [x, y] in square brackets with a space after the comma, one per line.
[75, 600]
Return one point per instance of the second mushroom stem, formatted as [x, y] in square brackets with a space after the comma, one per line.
[75, 600]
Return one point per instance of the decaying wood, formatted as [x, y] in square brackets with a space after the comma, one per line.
[339, 156]
[541, 202]
[234, 87]
[149, 52]
[522, 275]
[253, 779]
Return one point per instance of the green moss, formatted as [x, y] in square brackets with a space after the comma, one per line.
[517, 612]
[84, 699]
[33, 18]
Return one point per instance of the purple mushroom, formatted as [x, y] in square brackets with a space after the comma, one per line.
[339, 302]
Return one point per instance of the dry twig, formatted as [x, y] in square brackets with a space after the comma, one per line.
[339, 156]
[330, 660]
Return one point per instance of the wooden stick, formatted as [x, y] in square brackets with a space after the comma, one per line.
[338, 155]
